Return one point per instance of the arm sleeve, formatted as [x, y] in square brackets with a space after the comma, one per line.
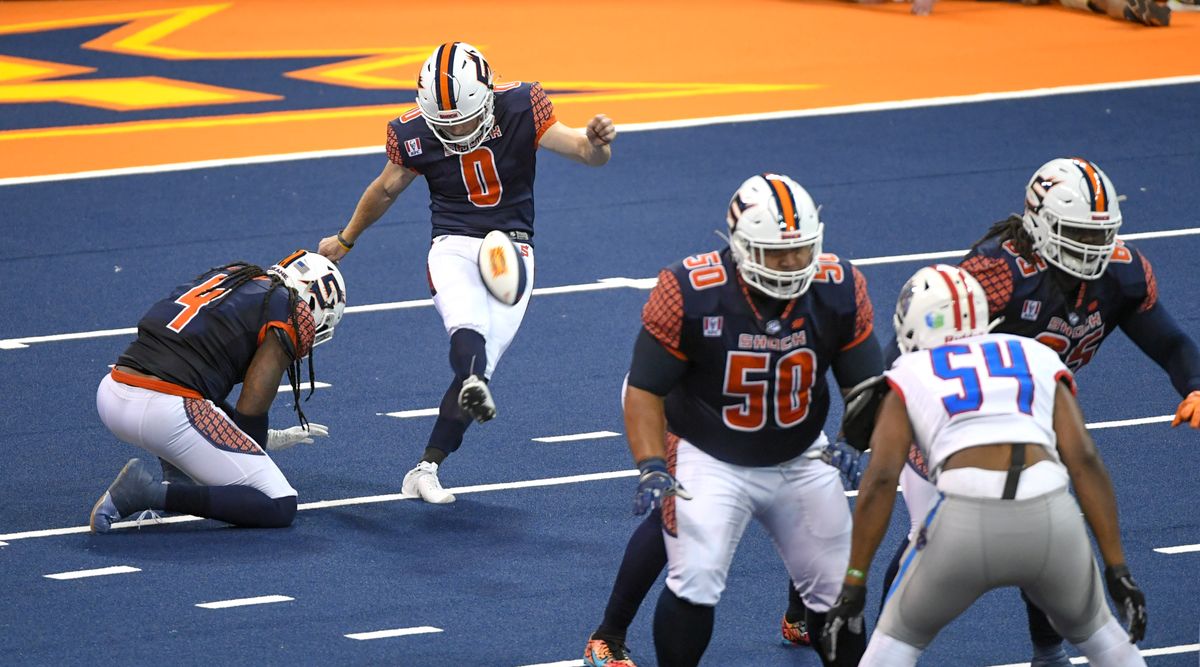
[654, 368]
[393, 146]
[864, 312]
[543, 110]
[858, 363]
[253, 426]
[1157, 334]
[662, 316]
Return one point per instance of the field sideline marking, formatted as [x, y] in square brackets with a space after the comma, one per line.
[642, 127]
[477, 488]
[601, 284]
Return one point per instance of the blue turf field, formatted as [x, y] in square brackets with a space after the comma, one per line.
[519, 576]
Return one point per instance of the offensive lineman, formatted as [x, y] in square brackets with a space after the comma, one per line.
[476, 144]
[233, 324]
[995, 418]
[730, 367]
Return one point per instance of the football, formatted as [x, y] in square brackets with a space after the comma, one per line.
[502, 268]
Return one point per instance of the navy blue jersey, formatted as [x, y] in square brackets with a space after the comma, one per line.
[755, 392]
[1033, 304]
[490, 187]
[203, 339]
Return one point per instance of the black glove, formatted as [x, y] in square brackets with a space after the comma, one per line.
[847, 615]
[1131, 602]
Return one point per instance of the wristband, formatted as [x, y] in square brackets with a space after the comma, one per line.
[343, 242]
[857, 574]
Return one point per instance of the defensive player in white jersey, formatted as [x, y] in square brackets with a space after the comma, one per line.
[996, 419]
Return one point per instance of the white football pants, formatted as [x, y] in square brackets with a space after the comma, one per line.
[800, 502]
[463, 301]
[192, 434]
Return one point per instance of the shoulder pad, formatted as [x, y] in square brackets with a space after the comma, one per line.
[862, 405]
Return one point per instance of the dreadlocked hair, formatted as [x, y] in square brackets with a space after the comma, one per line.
[242, 272]
[1012, 229]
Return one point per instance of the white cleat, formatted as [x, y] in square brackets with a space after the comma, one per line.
[422, 481]
[475, 399]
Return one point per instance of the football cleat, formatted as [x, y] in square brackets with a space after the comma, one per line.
[795, 633]
[1148, 12]
[422, 482]
[606, 653]
[130, 492]
[1050, 656]
[475, 399]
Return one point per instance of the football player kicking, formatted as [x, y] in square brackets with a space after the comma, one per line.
[475, 143]
[726, 393]
[232, 324]
[1059, 274]
[995, 418]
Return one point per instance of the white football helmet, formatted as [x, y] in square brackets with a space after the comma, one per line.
[1072, 215]
[939, 304]
[772, 212]
[455, 87]
[317, 282]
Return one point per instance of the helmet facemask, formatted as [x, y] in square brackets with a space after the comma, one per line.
[768, 213]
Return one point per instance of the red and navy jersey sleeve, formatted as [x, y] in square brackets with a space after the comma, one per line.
[662, 316]
[864, 312]
[543, 110]
[996, 277]
[409, 141]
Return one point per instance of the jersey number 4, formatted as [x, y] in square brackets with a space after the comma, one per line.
[794, 375]
[970, 398]
[194, 299]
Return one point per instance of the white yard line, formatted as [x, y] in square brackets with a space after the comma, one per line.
[398, 632]
[245, 602]
[601, 284]
[1146, 653]
[98, 572]
[577, 436]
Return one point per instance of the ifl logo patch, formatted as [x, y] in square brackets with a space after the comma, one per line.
[413, 147]
[1030, 310]
[713, 325]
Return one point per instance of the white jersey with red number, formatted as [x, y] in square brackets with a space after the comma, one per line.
[983, 390]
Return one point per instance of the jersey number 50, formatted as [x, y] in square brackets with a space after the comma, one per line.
[794, 376]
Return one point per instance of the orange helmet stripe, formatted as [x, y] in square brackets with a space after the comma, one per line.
[787, 207]
[1095, 184]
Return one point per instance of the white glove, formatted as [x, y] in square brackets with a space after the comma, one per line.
[282, 439]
